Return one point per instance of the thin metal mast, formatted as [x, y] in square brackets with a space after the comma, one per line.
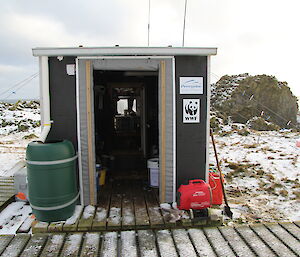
[183, 31]
[149, 24]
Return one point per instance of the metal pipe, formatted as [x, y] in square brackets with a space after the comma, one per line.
[44, 98]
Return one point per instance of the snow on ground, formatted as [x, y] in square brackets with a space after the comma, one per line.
[262, 172]
[19, 125]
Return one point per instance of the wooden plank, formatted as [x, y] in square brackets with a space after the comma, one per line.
[147, 244]
[16, 246]
[90, 245]
[40, 227]
[53, 245]
[140, 212]
[292, 228]
[114, 217]
[183, 243]
[285, 237]
[109, 247]
[236, 242]
[128, 244]
[201, 243]
[26, 225]
[56, 226]
[256, 244]
[217, 241]
[165, 243]
[128, 220]
[100, 220]
[86, 220]
[35, 245]
[4, 241]
[72, 245]
[167, 217]
[72, 222]
[277, 246]
[155, 216]
[91, 163]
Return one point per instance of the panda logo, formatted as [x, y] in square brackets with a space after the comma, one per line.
[191, 108]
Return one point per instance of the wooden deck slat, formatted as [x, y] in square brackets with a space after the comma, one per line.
[167, 218]
[218, 242]
[236, 242]
[155, 216]
[285, 237]
[147, 244]
[71, 224]
[201, 243]
[86, 219]
[257, 245]
[292, 228]
[90, 245]
[272, 241]
[166, 244]
[109, 247]
[183, 243]
[128, 220]
[114, 218]
[40, 227]
[4, 241]
[35, 245]
[56, 226]
[53, 245]
[100, 220]
[72, 245]
[26, 225]
[16, 245]
[140, 212]
[128, 244]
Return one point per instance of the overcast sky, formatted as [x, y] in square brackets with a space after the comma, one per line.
[258, 36]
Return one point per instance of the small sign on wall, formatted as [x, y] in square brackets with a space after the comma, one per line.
[191, 85]
[191, 110]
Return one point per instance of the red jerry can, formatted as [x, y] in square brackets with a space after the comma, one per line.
[196, 195]
[216, 188]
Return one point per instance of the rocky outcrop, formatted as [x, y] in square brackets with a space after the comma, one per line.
[243, 97]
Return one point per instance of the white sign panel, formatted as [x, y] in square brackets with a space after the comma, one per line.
[191, 85]
[191, 110]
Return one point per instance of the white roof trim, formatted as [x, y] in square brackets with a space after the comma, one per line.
[126, 51]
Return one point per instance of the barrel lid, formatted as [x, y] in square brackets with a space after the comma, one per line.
[51, 151]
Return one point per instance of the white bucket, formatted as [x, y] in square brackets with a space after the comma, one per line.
[153, 166]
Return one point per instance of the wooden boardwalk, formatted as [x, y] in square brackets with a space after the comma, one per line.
[259, 240]
[7, 189]
[123, 206]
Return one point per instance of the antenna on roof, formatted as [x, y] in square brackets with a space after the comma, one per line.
[149, 24]
[183, 31]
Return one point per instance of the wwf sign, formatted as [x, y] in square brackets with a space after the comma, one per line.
[191, 110]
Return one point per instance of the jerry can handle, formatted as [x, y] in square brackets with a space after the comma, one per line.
[194, 181]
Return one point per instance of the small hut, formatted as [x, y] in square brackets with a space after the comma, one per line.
[121, 106]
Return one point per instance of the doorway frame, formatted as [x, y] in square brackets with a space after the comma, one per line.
[165, 65]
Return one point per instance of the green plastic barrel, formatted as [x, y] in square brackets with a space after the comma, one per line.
[52, 183]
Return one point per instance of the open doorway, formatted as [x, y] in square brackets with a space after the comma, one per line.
[126, 122]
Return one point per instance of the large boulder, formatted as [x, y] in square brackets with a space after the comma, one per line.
[243, 97]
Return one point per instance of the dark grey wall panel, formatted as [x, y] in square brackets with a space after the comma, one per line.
[191, 137]
[62, 101]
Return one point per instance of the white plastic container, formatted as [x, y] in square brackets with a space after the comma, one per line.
[153, 166]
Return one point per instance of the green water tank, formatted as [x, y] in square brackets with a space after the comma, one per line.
[52, 182]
